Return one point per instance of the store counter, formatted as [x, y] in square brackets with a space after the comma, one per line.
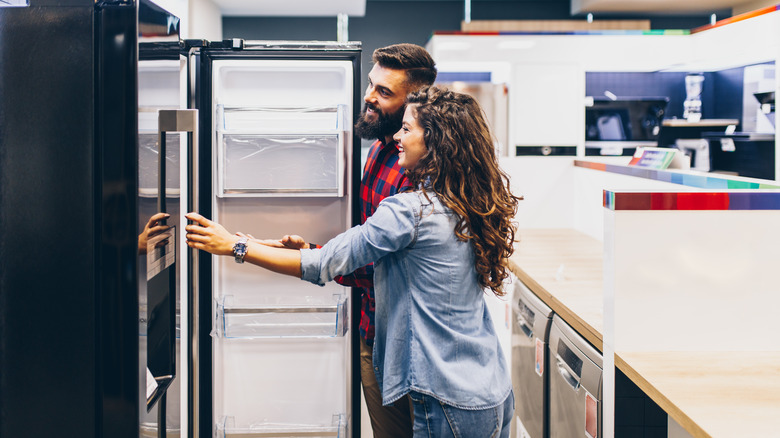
[709, 394]
[670, 274]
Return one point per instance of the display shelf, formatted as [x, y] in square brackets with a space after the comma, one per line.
[227, 428]
[281, 321]
[296, 151]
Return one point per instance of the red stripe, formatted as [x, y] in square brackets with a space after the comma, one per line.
[702, 201]
[663, 201]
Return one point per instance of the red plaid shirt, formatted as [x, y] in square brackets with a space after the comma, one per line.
[382, 177]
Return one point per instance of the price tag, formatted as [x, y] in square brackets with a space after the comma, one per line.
[539, 362]
[591, 416]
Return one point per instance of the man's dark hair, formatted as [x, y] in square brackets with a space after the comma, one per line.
[415, 60]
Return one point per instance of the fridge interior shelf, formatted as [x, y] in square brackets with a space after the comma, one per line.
[281, 151]
[280, 120]
[289, 321]
[227, 429]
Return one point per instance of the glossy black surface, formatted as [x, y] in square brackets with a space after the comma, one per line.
[68, 318]
[157, 23]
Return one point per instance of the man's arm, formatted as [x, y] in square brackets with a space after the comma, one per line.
[362, 277]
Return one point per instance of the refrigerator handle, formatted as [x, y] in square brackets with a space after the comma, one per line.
[185, 120]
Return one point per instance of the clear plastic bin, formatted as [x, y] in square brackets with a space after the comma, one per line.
[281, 151]
[282, 321]
[227, 428]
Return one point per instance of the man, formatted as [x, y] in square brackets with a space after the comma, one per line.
[398, 70]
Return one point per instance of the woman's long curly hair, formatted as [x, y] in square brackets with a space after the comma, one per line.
[460, 166]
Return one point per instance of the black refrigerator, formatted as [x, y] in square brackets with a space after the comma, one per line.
[69, 223]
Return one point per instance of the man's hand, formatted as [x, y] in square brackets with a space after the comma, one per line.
[288, 241]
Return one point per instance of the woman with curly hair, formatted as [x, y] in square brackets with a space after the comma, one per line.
[435, 250]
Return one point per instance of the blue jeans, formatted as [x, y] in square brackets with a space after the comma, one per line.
[434, 419]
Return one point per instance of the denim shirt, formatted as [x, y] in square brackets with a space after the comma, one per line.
[434, 334]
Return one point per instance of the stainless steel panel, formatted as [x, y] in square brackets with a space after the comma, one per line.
[575, 373]
[531, 320]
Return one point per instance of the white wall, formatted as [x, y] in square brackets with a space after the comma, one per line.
[204, 21]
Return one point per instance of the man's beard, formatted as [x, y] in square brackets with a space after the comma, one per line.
[383, 126]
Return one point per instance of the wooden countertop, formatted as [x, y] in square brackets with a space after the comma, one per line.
[564, 268]
[710, 394]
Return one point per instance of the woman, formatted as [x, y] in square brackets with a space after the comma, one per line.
[434, 251]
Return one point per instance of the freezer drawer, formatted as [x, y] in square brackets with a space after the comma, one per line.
[575, 384]
[531, 320]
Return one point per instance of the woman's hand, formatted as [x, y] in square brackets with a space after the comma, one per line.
[209, 236]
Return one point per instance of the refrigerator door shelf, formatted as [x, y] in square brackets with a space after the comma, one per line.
[227, 429]
[280, 119]
[289, 321]
[281, 151]
[281, 165]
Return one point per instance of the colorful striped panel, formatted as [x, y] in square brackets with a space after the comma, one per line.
[709, 182]
[691, 201]
[573, 32]
[737, 18]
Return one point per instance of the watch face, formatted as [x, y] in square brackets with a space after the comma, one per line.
[239, 250]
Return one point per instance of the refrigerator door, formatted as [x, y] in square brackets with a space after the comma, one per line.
[281, 118]
[68, 144]
[161, 86]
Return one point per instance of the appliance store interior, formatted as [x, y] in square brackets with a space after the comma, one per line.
[641, 134]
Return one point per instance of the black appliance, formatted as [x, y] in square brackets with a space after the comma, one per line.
[69, 218]
[68, 240]
[623, 123]
[742, 153]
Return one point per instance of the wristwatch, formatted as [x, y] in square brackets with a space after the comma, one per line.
[239, 250]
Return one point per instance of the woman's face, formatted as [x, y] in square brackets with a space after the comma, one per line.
[411, 145]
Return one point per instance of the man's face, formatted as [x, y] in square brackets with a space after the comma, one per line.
[384, 104]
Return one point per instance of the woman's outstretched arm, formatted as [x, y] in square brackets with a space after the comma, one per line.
[212, 237]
